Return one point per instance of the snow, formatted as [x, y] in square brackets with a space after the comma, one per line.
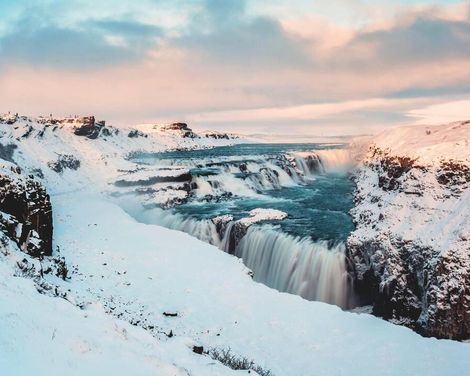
[428, 143]
[262, 214]
[126, 274]
[213, 294]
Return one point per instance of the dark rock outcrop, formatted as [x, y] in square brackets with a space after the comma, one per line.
[26, 214]
[8, 119]
[86, 126]
[237, 231]
[182, 128]
[136, 133]
[63, 162]
[218, 136]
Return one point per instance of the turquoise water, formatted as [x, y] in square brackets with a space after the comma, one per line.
[317, 208]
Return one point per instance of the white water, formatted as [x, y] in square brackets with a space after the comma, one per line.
[303, 166]
[298, 266]
[204, 230]
[259, 177]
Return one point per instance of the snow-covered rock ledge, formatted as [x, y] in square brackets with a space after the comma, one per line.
[410, 252]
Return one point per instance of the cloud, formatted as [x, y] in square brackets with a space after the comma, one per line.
[422, 40]
[442, 113]
[61, 48]
[223, 32]
[38, 41]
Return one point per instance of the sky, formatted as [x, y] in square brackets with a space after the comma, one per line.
[286, 68]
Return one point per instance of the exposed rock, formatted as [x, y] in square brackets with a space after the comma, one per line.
[221, 223]
[314, 163]
[454, 175]
[237, 231]
[8, 118]
[181, 128]
[198, 350]
[63, 162]
[233, 231]
[136, 133]
[85, 126]
[26, 214]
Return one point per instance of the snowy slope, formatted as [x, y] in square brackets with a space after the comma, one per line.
[428, 143]
[125, 275]
[218, 304]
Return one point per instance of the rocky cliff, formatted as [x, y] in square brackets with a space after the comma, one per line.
[25, 213]
[410, 252]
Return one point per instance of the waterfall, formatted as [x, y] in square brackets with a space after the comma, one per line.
[284, 262]
[336, 160]
[203, 229]
[298, 266]
[254, 180]
[309, 165]
[321, 161]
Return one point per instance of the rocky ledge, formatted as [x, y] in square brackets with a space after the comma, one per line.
[25, 213]
[410, 252]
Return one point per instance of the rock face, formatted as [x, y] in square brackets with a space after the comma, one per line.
[410, 252]
[26, 214]
[86, 126]
[181, 128]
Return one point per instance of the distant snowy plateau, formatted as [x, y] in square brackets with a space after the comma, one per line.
[86, 289]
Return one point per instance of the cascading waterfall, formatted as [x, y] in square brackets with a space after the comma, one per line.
[298, 266]
[287, 263]
[321, 161]
[309, 165]
[204, 230]
[254, 179]
[335, 160]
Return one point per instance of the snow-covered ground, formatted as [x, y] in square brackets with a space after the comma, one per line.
[139, 296]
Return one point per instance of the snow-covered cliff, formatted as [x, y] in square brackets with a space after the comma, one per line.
[411, 249]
